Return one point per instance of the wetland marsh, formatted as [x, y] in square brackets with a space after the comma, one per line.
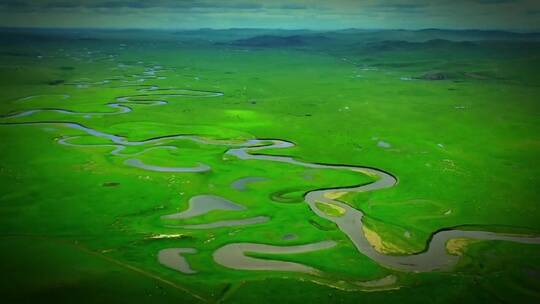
[225, 166]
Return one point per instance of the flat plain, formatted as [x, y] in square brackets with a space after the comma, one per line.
[242, 166]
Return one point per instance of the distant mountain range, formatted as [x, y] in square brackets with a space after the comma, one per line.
[264, 38]
[390, 45]
[281, 41]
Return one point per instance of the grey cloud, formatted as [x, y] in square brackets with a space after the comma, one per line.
[495, 1]
[293, 6]
[13, 4]
[183, 4]
[401, 6]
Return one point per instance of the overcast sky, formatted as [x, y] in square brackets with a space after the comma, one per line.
[306, 14]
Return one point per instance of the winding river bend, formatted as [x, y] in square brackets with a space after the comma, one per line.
[435, 257]
[120, 105]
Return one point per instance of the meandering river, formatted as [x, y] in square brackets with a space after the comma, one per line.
[435, 257]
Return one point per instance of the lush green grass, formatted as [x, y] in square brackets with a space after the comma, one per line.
[465, 151]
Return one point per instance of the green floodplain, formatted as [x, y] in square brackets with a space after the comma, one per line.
[262, 166]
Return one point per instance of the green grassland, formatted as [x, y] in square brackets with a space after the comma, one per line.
[457, 123]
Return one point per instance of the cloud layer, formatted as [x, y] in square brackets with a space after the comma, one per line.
[314, 14]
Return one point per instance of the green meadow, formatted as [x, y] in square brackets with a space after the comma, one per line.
[110, 140]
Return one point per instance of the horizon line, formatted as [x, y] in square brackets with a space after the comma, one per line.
[515, 31]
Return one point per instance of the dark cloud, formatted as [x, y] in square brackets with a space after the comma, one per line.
[276, 13]
[293, 6]
[13, 4]
[246, 6]
[404, 6]
[399, 8]
[120, 4]
[495, 1]
[135, 4]
[54, 5]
